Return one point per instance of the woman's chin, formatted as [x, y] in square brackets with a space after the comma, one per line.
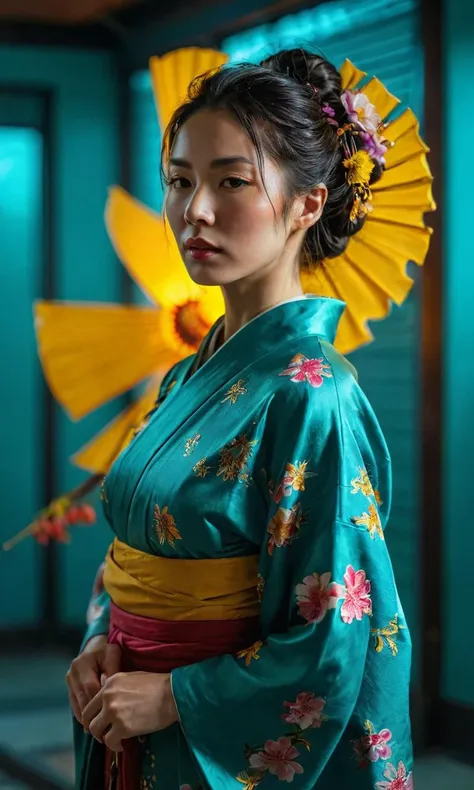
[206, 274]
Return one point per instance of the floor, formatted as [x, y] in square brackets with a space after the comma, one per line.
[35, 725]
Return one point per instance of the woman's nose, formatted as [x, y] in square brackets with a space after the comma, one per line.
[199, 209]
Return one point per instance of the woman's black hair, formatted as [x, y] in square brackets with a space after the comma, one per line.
[279, 104]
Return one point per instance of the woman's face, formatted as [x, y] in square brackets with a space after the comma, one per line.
[227, 223]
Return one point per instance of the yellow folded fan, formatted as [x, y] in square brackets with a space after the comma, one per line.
[371, 273]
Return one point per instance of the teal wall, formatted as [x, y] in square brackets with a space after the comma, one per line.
[458, 680]
[21, 152]
[86, 162]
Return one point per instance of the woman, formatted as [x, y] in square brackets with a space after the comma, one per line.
[250, 630]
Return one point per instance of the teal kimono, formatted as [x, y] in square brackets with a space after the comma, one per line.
[270, 447]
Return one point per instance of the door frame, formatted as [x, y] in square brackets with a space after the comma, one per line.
[46, 628]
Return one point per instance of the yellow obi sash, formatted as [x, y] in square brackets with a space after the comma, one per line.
[176, 589]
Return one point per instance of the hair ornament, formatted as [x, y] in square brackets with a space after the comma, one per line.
[359, 162]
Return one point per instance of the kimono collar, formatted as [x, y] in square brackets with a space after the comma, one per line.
[306, 315]
[203, 378]
[299, 317]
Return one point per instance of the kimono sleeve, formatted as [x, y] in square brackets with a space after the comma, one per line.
[279, 709]
[98, 611]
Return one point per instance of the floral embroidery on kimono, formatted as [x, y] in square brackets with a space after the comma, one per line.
[388, 634]
[251, 652]
[293, 480]
[234, 457]
[316, 595]
[165, 527]
[357, 600]
[191, 444]
[371, 521]
[284, 527]
[201, 469]
[279, 757]
[397, 778]
[235, 392]
[373, 746]
[310, 370]
[362, 484]
[306, 711]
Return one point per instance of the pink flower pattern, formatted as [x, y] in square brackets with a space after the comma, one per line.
[306, 711]
[397, 778]
[278, 758]
[316, 594]
[311, 370]
[357, 600]
[373, 746]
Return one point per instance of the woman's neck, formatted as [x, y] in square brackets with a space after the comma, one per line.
[244, 301]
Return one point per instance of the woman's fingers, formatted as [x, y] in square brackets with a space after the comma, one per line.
[113, 738]
[75, 706]
[92, 710]
[110, 663]
[83, 680]
[99, 726]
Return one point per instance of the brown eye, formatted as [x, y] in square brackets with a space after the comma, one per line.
[234, 183]
[178, 182]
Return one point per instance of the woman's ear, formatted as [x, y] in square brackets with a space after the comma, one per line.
[308, 208]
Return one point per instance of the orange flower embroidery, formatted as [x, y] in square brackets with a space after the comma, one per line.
[191, 444]
[293, 480]
[165, 527]
[388, 635]
[250, 653]
[235, 391]
[362, 484]
[250, 780]
[371, 520]
[284, 527]
[200, 469]
[233, 459]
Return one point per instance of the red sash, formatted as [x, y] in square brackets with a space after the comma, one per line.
[150, 645]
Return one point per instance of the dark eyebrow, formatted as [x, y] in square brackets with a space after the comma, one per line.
[216, 163]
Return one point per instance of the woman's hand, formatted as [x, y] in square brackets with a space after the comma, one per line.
[130, 704]
[97, 662]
